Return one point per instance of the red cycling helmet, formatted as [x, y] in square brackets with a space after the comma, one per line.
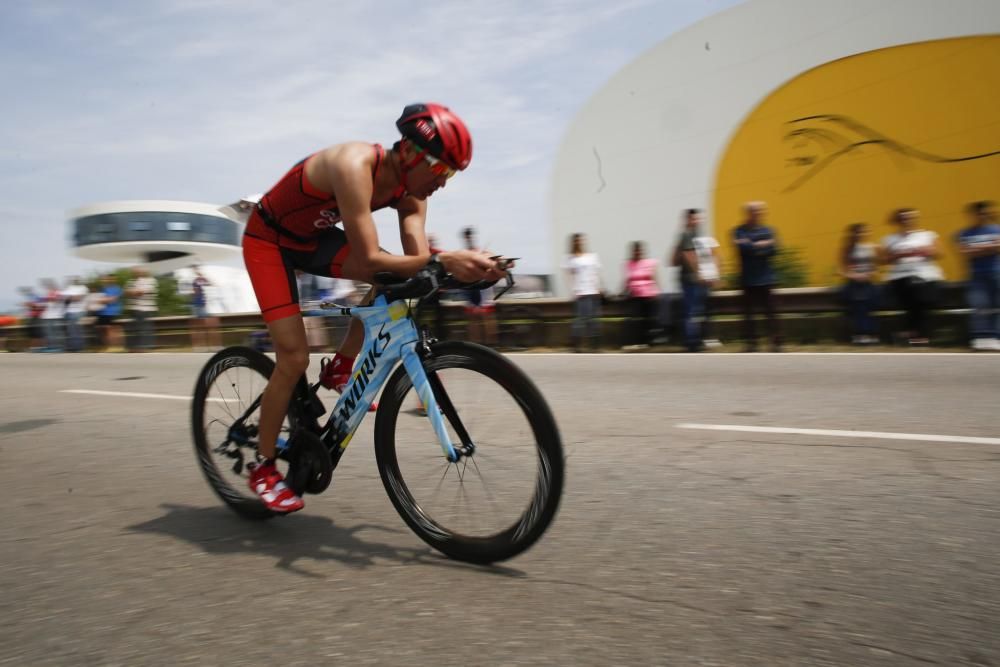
[438, 131]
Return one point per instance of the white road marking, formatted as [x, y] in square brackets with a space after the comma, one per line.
[615, 354]
[844, 434]
[132, 394]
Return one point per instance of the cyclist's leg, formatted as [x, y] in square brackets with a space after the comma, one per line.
[332, 258]
[288, 335]
[272, 275]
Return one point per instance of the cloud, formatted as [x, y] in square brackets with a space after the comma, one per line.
[212, 99]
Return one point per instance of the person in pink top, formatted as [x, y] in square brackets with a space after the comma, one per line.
[643, 293]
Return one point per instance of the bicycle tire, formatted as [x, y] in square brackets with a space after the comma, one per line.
[237, 356]
[539, 512]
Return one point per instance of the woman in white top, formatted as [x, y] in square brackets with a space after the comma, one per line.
[913, 273]
[584, 272]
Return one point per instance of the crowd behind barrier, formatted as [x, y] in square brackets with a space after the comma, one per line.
[809, 316]
[907, 258]
[913, 306]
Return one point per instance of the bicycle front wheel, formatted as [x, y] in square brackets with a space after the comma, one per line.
[494, 503]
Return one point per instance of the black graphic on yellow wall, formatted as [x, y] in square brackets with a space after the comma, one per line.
[913, 125]
[825, 138]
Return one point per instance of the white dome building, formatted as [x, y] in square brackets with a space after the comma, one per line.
[171, 237]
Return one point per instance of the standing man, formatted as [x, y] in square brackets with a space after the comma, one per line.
[107, 317]
[756, 244]
[980, 244]
[52, 316]
[141, 291]
[697, 257]
[76, 293]
[205, 334]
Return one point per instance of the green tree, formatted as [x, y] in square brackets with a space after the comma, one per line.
[168, 300]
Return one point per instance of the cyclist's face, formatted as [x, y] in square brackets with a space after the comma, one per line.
[424, 181]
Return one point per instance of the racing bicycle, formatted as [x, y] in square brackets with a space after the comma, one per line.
[466, 445]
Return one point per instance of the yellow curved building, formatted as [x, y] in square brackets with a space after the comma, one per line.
[831, 112]
[915, 125]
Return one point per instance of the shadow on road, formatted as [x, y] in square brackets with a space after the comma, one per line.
[216, 530]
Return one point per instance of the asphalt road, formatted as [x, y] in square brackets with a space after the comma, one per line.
[673, 546]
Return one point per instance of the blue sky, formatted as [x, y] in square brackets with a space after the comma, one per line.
[209, 100]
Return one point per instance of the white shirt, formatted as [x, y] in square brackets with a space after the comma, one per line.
[76, 295]
[586, 272]
[708, 269]
[923, 268]
[55, 306]
[146, 302]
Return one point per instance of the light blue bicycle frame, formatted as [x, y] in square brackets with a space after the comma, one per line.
[390, 335]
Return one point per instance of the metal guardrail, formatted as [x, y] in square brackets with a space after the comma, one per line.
[808, 314]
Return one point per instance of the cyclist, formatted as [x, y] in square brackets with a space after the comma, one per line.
[295, 226]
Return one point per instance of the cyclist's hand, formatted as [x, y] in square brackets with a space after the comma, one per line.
[469, 266]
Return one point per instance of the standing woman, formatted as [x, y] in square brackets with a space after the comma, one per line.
[584, 272]
[643, 293]
[858, 266]
[914, 274]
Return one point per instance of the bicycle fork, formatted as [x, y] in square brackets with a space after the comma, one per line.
[435, 399]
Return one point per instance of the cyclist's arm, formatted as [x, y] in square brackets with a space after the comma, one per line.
[350, 176]
[412, 219]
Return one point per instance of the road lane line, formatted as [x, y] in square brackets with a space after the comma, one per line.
[131, 394]
[843, 434]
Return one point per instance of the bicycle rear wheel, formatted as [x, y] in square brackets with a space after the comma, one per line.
[495, 503]
[225, 416]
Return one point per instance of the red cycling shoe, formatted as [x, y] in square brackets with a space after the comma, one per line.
[267, 482]
[336, 374]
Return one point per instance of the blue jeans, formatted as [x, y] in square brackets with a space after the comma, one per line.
[74, 332]
[983, 295]
[54, 334]
[862, 299]
[694, 295]
[587, 319]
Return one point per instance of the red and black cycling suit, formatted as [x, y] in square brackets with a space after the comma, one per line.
[294, 227]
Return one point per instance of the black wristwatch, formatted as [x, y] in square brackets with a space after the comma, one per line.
[435, 263]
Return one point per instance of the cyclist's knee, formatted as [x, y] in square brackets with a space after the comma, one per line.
[292, 361]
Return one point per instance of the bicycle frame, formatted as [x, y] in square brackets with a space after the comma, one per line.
[391, 335]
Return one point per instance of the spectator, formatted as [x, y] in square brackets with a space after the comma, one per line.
[980, 244]
[75, 294]
[913, 273]
[697, 257]
[480, 309]
[858, 265]
[756, 244]
[205, 334]
[643, 294]
[142, 291]
[107, 317]
[707, 249]
[34, 306]
[52, 316]
[584, 272]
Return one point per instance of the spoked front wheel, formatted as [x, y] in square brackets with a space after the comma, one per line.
[495, 502]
